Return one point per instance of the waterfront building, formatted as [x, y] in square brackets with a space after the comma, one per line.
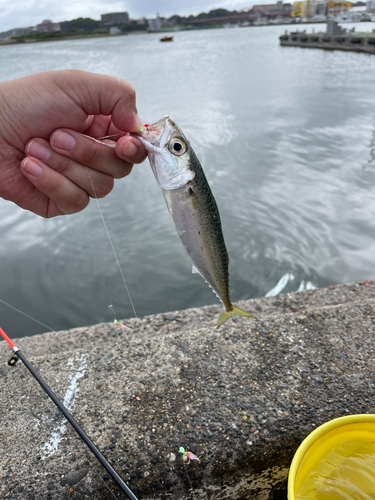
[47, 26]
[321, 8]
[307, 8]
[154, 24]
[297, 9]
[371, 5]
[6, 35]
[113, 18]
[278, 9]
[325, 8]
[335, 8]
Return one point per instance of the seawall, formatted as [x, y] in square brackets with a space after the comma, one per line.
[242, 398]
[360, 42]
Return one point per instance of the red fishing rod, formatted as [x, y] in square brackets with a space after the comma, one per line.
[17, 354]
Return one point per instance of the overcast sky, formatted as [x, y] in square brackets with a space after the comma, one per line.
[22, 13]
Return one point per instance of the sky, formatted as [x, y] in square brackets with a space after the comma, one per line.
[23, 13]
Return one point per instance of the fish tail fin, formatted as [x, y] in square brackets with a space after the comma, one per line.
[226, 314]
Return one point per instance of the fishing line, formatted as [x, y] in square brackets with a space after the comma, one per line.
[187, 475]
[27, 376]
[109, 308]
[112, 246]
[27, 315]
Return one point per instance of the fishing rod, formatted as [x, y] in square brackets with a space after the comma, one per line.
[17, 354]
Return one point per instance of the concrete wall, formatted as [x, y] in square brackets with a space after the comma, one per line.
[323, 41]
[242, 398]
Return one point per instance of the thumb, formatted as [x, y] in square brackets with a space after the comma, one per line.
[101, 95]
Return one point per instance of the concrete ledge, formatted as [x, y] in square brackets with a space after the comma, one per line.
[351, 43]
[241, 398]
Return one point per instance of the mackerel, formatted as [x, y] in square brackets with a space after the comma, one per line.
[192, 206]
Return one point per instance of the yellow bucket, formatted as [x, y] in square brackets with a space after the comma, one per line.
[337, 456]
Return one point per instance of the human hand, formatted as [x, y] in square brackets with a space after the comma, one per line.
[59, 176]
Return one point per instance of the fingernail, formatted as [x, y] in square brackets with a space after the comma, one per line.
[129, 150]
[32, 168]
[63, 140]
[38, 150]
[140, 123]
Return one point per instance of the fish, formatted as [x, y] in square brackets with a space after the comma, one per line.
[192, 207]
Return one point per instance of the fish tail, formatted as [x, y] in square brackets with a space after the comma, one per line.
[226, 314]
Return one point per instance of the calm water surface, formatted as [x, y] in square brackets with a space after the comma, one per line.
[286, 137]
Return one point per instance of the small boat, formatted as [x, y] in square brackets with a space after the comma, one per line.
[167, 39]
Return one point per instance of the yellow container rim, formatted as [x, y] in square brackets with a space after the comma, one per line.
[314, 437]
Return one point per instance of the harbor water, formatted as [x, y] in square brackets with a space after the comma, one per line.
[286, 137]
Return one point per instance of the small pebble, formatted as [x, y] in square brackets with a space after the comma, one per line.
[170, 317]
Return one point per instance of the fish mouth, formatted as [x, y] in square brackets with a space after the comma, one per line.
[156, 135]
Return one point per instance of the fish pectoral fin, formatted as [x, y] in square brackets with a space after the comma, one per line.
[226, 314]
[195, 270]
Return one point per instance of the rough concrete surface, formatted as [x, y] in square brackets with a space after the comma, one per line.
[242, 398]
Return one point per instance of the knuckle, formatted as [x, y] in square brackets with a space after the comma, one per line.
[105, 186]
[55, 184]
[62, 165]
[78, 203]
[125, 170]
[90, 155]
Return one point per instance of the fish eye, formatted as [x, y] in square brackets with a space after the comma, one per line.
[177, 147]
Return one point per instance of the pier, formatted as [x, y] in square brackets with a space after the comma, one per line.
[335, 38]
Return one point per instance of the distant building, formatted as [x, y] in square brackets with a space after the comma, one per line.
[115, 18]
[21, 31]
[47, 26]
[334, 8]
[311, 8]
[154, 24]
[304, 9]
[371, 5]
[5, 35]
[321, 8]
[114, 30]
[297, 9]
[273, 10]
[142, 21]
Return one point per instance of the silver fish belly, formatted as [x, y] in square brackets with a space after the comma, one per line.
[198, 225]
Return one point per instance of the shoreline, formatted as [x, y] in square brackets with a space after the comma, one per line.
[74, 37]
[12, 42]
